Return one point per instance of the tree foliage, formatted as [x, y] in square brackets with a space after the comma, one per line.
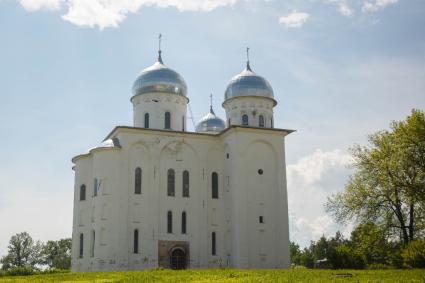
[57, 254]
[414, 254]
[24, 255]
[388, 186]
[22, 252]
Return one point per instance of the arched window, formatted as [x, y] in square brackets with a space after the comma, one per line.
[167, 122]
[170, 182]
[81, 250]
[169, 222]
[184, 222]
[83, 192]
[93, 241]
[213, 244]
[245, 120]
[261, 121]
[214, 185]
[136, 241]
[95, 187]
[147, 120]
[185, 183]
[138, 181]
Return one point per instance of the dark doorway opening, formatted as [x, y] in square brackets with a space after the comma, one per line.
[178, 259]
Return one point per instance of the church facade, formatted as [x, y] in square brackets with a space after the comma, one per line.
[155, 195]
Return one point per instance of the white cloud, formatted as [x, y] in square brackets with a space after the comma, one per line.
[377, 5]
[342, 6]
[294, 19]
[35, 5]
[310, 181]
[110, 13]
[311, 169]
[345, 10]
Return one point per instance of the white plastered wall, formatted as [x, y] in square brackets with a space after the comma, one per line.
[156, 105]
[253, 107]
[243, 197]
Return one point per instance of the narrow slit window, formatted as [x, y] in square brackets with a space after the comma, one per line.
[136, 241]
[83, 192]
[167, 122]
[183, 124]
[213, 244]
[93, 242]
[261, 121]
[169, 222]
[184, 222]
[245, 120]
[171, 182]
[95, 187]
[214, 185]
[138, 181]
[147, 120]
[81, 248]
[186, 184]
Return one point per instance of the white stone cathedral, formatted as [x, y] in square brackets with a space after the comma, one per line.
[155, 195]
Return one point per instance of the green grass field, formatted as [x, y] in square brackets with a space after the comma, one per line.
[230, 275]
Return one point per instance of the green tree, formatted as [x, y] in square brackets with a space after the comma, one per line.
[371, 241]
[22, 252]
[388, 186]
[345, 257]
[320, 248]
[295, 253]
[57, 254]
[414, 254]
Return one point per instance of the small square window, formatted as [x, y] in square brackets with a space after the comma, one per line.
[261, 219]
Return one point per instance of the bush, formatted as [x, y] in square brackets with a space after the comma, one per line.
[20, 271]
[54, 270]
[345, 257]
[379, 266]
[414, 254]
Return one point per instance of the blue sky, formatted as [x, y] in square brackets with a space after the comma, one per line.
[340, 69]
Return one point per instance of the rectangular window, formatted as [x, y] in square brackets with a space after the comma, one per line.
[261, 219]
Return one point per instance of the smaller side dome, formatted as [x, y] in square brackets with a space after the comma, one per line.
[210, 123]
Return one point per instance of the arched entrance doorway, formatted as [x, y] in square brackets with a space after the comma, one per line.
[178, 258]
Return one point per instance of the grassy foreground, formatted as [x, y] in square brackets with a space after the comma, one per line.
[230, 275]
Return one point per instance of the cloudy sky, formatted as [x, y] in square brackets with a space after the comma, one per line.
[340, 69]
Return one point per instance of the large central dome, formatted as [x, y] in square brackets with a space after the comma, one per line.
[248, 83]
[159, 78]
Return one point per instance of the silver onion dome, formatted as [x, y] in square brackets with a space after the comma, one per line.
[159, 78]
[248, 83]
[210, 123]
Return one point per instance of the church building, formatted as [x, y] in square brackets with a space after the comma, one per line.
[157, 195]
